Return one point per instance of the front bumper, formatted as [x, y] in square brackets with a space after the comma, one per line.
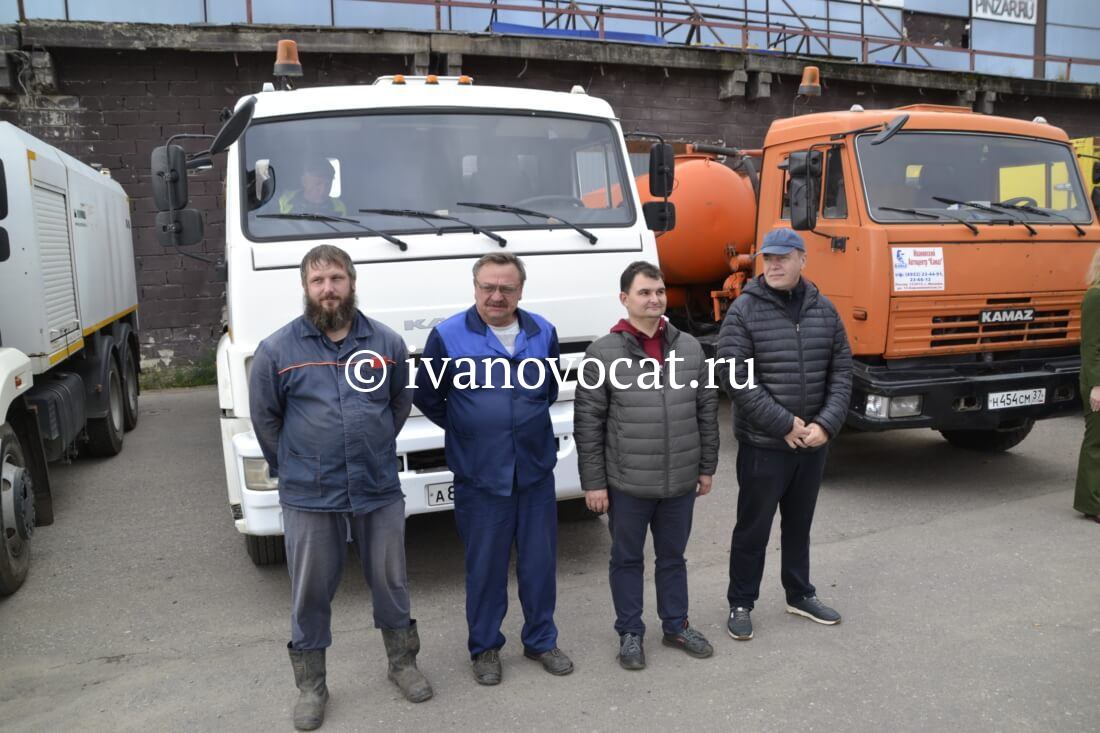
[956, 397]
[420, 453]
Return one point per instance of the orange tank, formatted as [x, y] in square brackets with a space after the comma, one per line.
[715, 213]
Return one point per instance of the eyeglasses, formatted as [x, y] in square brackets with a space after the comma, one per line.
[505, 290]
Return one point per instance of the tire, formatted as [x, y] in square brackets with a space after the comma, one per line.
[988, 441]
[575, 510]
[130, 389]
[15, 552]
[105, 433]
[265, 550]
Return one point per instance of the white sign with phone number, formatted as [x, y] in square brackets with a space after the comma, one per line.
[917, 268]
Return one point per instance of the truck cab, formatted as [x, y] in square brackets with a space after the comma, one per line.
[954, 246]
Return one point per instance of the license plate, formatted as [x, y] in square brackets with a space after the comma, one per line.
[440, 494]
[1017, 398]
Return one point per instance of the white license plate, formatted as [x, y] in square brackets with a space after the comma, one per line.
[1017, 398]
[440, 494]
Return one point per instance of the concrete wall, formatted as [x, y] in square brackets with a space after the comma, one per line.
[109, 93]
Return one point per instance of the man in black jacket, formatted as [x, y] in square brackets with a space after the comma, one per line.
[802, 368]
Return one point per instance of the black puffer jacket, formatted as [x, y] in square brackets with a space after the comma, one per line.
[646, 442]
[801, 368]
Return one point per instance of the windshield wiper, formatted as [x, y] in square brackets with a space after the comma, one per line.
[928, 215]
[426, 215]
[329, 219]
[1034, 210]
[983, 207]
[592, 238]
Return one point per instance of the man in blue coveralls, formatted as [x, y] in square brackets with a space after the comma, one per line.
[331, 445]
[493, 400]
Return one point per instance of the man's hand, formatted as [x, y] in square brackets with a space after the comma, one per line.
[798, 433]
[816, 436]
[706, 483]
[1094, 399]
[596, 500]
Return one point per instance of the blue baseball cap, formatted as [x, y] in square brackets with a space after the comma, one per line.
[780, 242]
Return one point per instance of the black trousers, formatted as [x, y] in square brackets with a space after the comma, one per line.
[769, 479]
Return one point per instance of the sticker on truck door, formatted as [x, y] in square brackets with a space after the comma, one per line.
[917, 268]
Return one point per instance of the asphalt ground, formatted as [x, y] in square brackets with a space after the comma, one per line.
[969, 587]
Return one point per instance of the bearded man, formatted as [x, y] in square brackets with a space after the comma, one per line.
[330, 440]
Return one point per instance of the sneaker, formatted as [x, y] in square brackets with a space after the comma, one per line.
[487, 669]
[554, 661]
[691, 641]
[813, 609]
[631, 653]
[740, 624]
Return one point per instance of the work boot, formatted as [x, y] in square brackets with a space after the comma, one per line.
[309, 676]
[402, 646]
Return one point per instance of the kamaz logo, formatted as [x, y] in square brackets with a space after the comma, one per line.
[423, 324]
[1017, 315]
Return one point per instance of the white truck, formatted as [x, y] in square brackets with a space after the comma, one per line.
[69, 356]
[430, 174]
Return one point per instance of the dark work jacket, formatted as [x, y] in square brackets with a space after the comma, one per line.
[801, 367]
[646, 440]
[333, 448]
[497, 436]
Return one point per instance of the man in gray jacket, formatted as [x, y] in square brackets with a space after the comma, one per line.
[646, 429]
[802, 368]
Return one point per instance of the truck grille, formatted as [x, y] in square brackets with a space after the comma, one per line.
[927, 325]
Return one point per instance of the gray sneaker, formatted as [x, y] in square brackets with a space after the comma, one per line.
[740, 624]
[631, 653]
[691, 641]
[813, 609]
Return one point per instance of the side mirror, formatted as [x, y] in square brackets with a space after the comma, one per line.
[169, 167]
[1095, 175]
[804, 189]
[1095, 196]
[233, 127]
[180, 228]
[660, 216]
[662, 168]
[261, 182]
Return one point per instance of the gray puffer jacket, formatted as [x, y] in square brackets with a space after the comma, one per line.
[648, 442]
[801, 368]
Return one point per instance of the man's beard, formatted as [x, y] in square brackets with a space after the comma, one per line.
[331, 320]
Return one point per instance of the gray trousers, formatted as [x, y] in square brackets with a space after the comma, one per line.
[316, 547]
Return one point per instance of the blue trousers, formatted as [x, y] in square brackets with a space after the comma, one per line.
[769, 479]
[489, 526]
[629, 518]
[316, 547]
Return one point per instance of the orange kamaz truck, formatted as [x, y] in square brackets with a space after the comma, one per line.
[953, 244]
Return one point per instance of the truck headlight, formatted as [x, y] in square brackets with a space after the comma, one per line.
[906, 406]
[257, 477]
[877, 406]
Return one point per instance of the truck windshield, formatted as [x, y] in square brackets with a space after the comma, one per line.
[1007, 178]
[353, 173]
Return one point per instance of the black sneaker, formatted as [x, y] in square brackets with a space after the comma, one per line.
[814, 610]
[691, 641]
[740, 625]
[554, 661]
[487, 670]
[631, 653]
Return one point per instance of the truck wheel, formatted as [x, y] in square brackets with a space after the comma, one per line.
[15, 551]
[266, 550]
[105, 433]
[988, 441]
[130, 389]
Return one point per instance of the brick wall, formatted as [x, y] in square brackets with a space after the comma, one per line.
[112, 107]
